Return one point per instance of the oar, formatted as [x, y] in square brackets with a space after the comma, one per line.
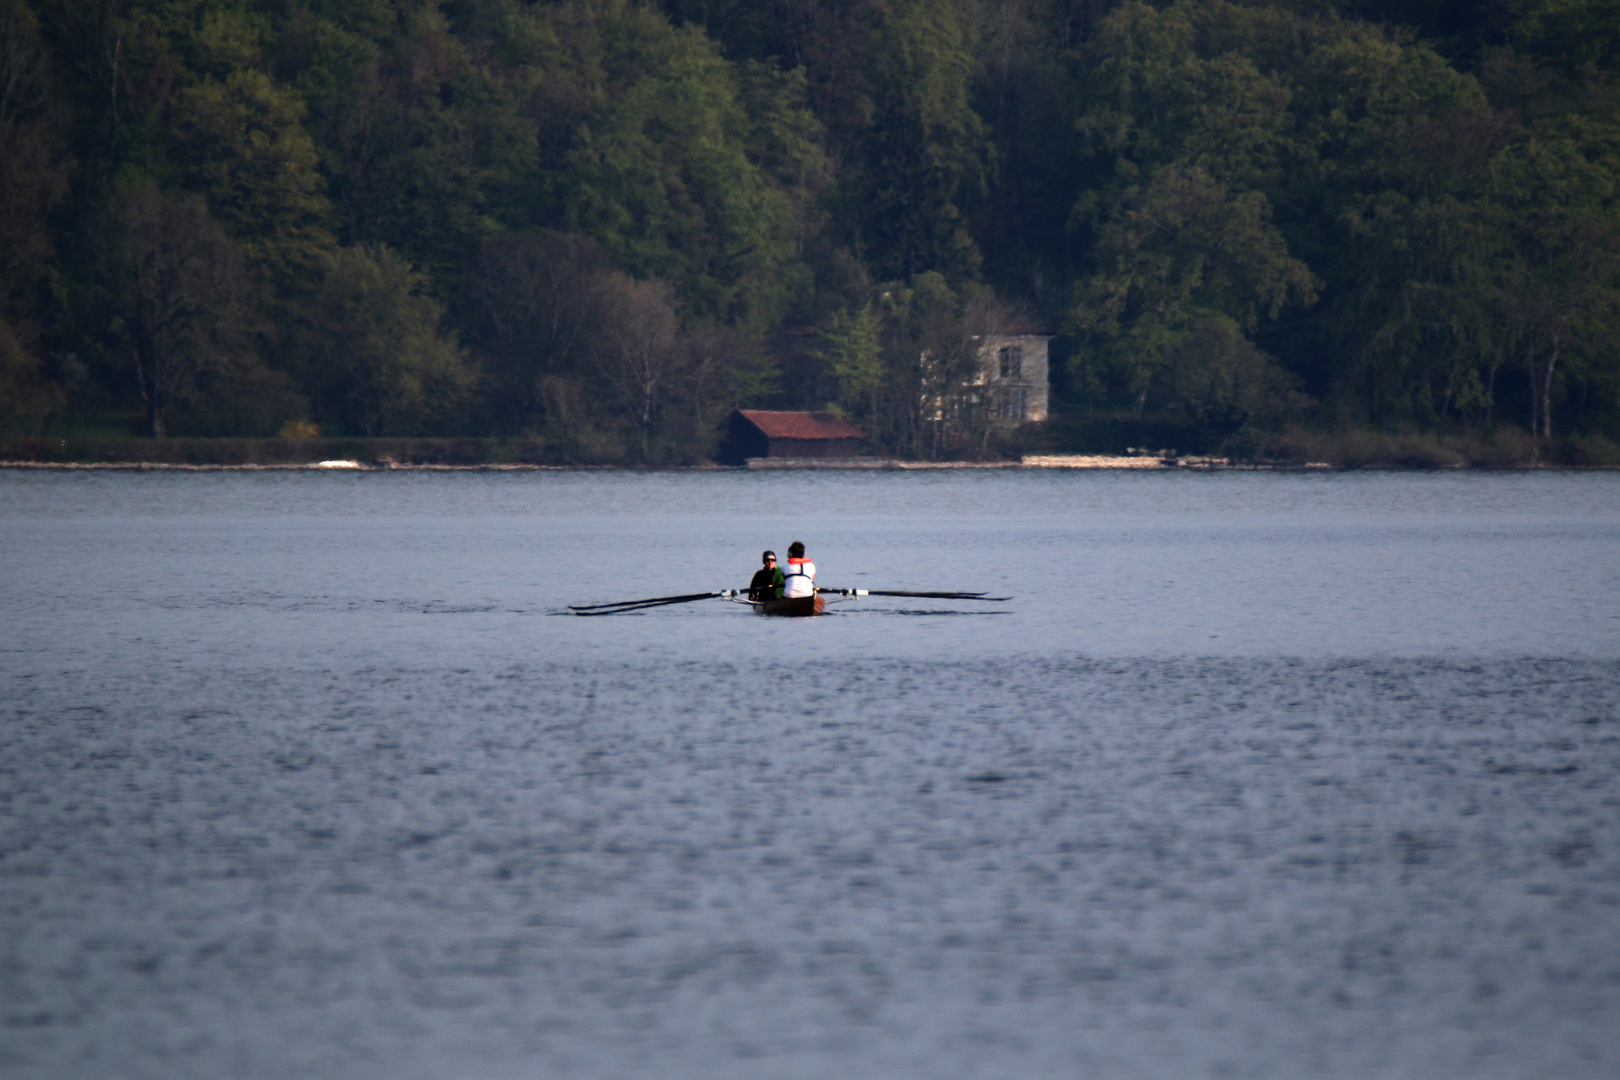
[649, 600]
[632, 607]
[924, 595]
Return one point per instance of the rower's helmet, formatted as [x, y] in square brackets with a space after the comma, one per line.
[767, 556]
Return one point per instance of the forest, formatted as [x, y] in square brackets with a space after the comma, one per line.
[592, 228]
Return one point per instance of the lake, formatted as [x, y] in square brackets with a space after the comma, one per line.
[1260, 774]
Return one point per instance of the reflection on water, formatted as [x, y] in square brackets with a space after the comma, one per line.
[1259, 776]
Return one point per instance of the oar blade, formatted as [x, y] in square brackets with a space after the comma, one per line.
[648, 600]
[620, 610]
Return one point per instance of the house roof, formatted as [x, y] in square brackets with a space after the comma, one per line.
[1021, 330]
[801, 425]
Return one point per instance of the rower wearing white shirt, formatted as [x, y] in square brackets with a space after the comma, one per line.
[799, 576]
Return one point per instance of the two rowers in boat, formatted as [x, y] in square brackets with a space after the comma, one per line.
[774, 583]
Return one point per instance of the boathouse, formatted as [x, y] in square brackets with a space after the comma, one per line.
[761, 433]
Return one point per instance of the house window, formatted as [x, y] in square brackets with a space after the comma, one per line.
[1015, 404]
[1012, 361]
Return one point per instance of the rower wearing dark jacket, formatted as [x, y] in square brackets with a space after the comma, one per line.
[767, 583]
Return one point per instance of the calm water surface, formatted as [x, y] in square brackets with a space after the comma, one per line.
[1260, 775]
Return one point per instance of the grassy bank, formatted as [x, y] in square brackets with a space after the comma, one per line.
[125, 450]
[1346, 448]
[1362, 448]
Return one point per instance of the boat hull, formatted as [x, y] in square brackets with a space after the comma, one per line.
[795, 606]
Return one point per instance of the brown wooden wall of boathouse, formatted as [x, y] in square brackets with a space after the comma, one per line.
[759, 433]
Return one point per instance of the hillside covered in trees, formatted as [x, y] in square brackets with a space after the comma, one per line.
[600, 225]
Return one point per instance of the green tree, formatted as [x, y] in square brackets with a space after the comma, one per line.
[1331, 124]
[1568, 32]
[1178, 254]
[241, 142]
[35, 171]
[426, 147]
[35, 168]
[1025, 93]
[722, 368]
[1361, 94]
[531, 310]
[1422, 336]
[658, 168]
[927, 150]
[1559, 271]
[178, 296]
[1154, 94]
[25, 392]
[829, 41]
[636, 350]
[1222, 381]
[852, 348]
[371, 350]
[925, 405]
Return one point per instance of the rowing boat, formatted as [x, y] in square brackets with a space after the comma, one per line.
[793, 605]
[797, 605]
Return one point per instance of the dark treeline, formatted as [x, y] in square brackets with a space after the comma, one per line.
[602, 225]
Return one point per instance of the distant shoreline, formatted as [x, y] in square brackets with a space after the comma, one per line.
[1059, 447]
[1034, 462]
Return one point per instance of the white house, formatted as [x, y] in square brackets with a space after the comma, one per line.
[1013, 369]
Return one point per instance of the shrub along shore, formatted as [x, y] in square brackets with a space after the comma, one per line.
[1290, 448]
[274, 453]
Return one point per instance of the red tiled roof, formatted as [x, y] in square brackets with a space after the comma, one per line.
[802, 425]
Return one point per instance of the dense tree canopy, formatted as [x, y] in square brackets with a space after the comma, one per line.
[601, 224]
